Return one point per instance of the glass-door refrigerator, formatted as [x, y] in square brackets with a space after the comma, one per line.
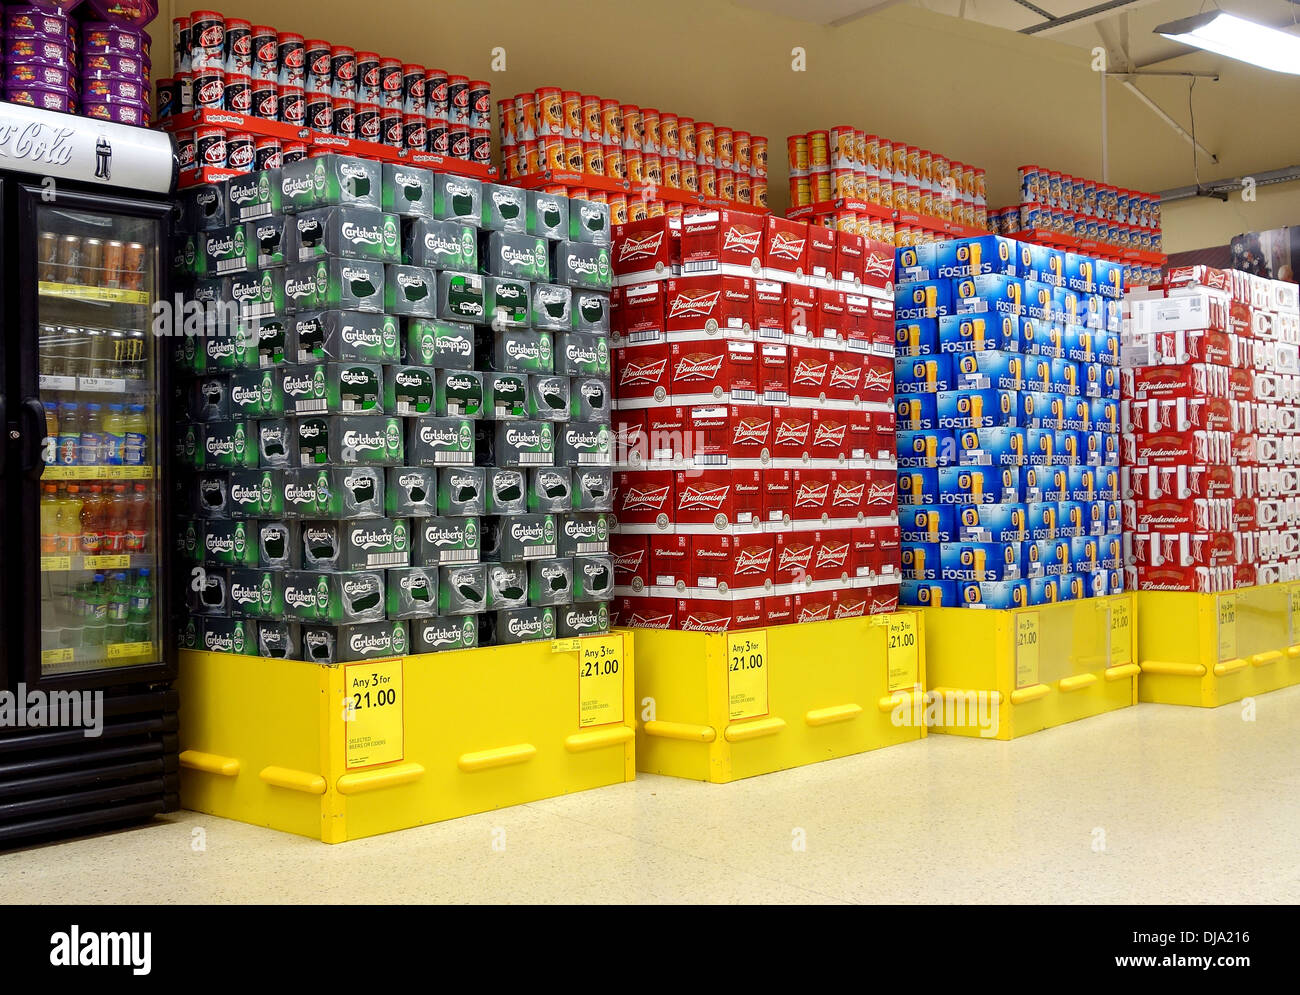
[86, 658]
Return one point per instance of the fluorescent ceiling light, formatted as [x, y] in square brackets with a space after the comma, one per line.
[1237, 38]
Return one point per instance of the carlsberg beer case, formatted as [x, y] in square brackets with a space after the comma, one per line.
[95, 426]
[400, 440]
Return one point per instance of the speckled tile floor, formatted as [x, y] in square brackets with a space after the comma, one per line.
[1147, 804]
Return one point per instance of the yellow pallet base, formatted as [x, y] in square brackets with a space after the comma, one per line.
[1185, 661]
[827, 686]
[267, 741]
[987, 679]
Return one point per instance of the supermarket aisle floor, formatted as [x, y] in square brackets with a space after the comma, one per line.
[1151, 803]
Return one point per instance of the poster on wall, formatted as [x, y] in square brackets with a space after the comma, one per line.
[1275, 253]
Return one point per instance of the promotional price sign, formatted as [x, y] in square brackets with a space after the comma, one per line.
[1293, 605]
[747, 664]
[374, 713]
[1026, 649]
[1227, 627]
[600, 680]
[903, 656]
[1121, 631]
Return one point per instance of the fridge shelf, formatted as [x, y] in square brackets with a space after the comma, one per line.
[98, 473]
[96, 385]
[94, 295]
[52, 659]
[101, 561]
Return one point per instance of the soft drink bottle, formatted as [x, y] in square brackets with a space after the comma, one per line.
[51, 510]
[140, 611]
[136, 447]
[69, 433]
[138, 517]
[119, 599]
[92, 522]
[50, 444]
[95, 630]
[112, 436]
[70, 519]
[91, 436]
[115, 520]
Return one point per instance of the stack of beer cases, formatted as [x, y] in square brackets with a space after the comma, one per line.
[1211, 384]
[399, 437]
[1007, 384]
[753, 413]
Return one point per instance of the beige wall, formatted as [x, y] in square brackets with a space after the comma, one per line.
[1202, 222]
[989, 97]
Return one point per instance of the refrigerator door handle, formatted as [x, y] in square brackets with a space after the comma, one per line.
[31, 437]
[11, 431]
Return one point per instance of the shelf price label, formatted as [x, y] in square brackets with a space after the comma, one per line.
[374, 711]
[117, 651]
[1026, 649]
[902, 652]
[1121, 631]
[747, 667]
[51, 657]
[601, 675]
[107, 562]
[56, 564]
[1227, 622]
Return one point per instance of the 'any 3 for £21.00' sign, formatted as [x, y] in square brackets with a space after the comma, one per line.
[747, 666]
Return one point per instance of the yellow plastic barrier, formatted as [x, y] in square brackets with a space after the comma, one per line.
[723, 706]
[1210, 649]
[1002, 673]
[301, 748]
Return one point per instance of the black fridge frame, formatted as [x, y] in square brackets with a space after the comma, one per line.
[20, 196]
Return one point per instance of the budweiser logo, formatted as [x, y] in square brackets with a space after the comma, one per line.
[785, 246]
[880, 493]
[881, 605]
[833, 556]
[643, 620]
[876, 378]
[818, 613]
[634, 373]
[698, 368]
[846, 376]
[693, 624]
[858, 608]
[877, 264]
[747, 431]
[788, 432]
[753, 561]
[848, 495]
[811, 495]
[645, 499]
[741, 240]
[628, 562]
[640, 248]
[687, 306]
[829, 435]
[807, 373]
[697, 499]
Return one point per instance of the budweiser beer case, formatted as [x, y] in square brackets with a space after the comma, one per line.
[1007, 401]
[403, 441]
[1211, 455]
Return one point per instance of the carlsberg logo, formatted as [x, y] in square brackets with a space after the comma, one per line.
[298, 494]
[583, 267]
[299, 385]
[355, 335]
[362, 234]
[355, 273]
[356, 439]
[293, 186]
[409, 480]
[442, 246]
[408, 280]
[525, 626]
[355, 378]
[459, 383]
[372, 539]
[299, 288]
[517, 349]
[243, 494]
[297, 597]
[220, 447]
[527, 531]
[433, 436]
[524, 438]
[371, 642]
[409, 379]
[355, 588]
[460, 345]
[523, 257]
[245, 595]
[245, 395]
[352, 170]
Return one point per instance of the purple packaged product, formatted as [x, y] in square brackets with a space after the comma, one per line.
[126, 65]
[38, 20]
[38, 74]
[32, 48]
[122, 113]
[132, 13]
[38, 96]
[112, 88]
[103, 36]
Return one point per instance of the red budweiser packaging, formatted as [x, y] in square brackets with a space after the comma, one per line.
[638, 314]
[710, 562]
[725, 433]
[883, 598]
[791, 433]
[878, 379]
[1178, 515]
[1189, 380]
[722, 241]
[769, 316]
[851, 603]
[668, 433]
[802, 316]
[844, 379]
[754, 565]
[850, 248]
[882, 493]
[810, 373]
[1182, 549]
[1198, 346]
[848, 497]
[643, 497]
[1199, 580]
[1181, 414]
[650, 247]
[779, 609]
[631, 556]
[812, 495]
[778, 495]
[830, 434]
[696, 615]
[863, 441]
[858, 322]
[641, 375]
[1176, 447]
[751, 613]
[832, 315]
[712, 497]
[878, 270]
[785, 246]
[816, 606]
[774, 372]
[644, 613]
[709, 304]
[882, 322]
[1179, 482]
[670, 560]
[713, 368]
[819, 254]
[832, 555]
[794, 557]
[1198, 276]
[631, 444]
[1241, 384]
